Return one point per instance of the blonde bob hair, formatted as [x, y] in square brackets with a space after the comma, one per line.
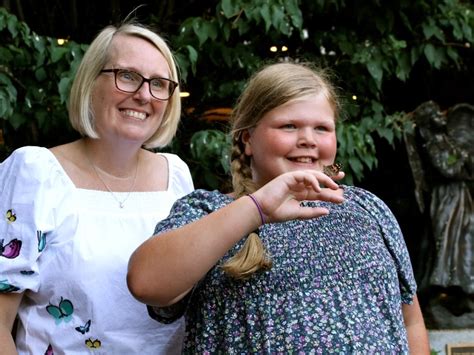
[97, 55]
[272, 86]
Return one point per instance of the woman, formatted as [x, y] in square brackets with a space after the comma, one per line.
[324, 268]
[73, 214]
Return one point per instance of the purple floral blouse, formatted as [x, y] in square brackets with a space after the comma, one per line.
[337, 284]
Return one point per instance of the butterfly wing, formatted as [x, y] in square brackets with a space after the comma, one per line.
[49, 350]
[11, 216]
[93, 344]
[54, 311]
[84, 328]
[41, 240]
[5, 287]
[332, 170]
[12, 249]
[66, 307]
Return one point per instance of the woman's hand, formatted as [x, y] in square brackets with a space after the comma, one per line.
[280, 198]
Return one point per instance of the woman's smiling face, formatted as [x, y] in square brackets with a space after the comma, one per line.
[134, 117]
[298, 135]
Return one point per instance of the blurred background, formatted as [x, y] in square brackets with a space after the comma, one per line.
[396, 63]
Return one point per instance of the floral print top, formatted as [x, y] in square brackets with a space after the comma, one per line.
[336, 286]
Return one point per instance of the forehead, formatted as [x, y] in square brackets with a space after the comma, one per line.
[136, 53]
[315, 106]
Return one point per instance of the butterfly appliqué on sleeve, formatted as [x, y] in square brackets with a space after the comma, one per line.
[61, 312]
[10, 250]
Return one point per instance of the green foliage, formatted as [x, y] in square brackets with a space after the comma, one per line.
[210, 149]
[370, 45]
[35, 78]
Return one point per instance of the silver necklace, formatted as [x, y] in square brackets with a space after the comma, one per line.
[121, 203]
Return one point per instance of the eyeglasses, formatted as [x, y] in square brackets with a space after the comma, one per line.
[130, 81]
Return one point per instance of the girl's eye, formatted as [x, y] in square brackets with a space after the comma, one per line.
[288, 126]
[321, 128]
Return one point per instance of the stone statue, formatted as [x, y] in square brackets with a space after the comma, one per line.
[441, 154]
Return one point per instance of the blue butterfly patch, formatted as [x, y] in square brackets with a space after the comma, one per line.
[5, 287]
[41, 240]
[83, 329]
[62, 312]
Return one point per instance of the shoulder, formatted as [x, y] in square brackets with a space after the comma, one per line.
[362, 196]
[201, 202]
[28, 152]
[179, 175]
[174, 161]
[191, 207]
[30, 169]
[35, 160]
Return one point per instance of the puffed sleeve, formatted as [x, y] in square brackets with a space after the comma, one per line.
[181, 182]
[33, 187]
[186, 210]
[393, 239]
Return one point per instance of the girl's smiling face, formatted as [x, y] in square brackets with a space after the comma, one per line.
[300, 134]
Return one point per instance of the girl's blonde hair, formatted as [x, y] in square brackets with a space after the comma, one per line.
[96, 56]
[271, 87]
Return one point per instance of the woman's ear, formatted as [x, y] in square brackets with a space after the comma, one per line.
[245, 137]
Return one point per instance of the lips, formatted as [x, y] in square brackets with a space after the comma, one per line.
[135, 114]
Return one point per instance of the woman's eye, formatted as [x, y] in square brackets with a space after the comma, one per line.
[127, 76]
[288, 126]
[158, 84]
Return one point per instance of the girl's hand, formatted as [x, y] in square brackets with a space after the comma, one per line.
[280, 198]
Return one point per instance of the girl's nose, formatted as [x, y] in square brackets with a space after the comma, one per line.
[306, 138]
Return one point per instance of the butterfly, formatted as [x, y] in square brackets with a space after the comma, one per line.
[11, 216]
[83, 329]
[5, 287]
[49, 350]
[41, 240]
[332, 170]
[61, 312]
[93, 344]
[11, 250]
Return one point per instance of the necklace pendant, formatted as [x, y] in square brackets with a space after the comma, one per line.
[121, 204]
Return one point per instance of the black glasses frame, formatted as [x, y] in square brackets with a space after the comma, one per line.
[172, 84]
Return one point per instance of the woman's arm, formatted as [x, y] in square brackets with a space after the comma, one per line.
[9, 304]
[164, 268]
[418, 342]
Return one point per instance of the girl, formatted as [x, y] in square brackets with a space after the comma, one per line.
[290, 261]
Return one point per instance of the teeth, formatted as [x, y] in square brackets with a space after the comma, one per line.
[139, 115]
[304, 160]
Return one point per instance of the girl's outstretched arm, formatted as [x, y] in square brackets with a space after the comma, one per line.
[163, 269]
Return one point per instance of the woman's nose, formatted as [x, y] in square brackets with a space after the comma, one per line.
[143, 93]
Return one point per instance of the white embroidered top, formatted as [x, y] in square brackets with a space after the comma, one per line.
[68, 250]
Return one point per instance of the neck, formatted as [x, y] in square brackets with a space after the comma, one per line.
[113, 161]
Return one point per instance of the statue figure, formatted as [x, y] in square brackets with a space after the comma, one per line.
[441, 154]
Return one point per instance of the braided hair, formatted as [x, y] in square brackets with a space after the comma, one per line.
[272, 86]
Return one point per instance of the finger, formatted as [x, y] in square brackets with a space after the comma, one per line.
[326, 180]
[340, 175]
[307, 179]
[312, 212]
[330, 195]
